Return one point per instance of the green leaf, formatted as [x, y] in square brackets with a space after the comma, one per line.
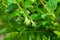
[11, 16]
[52, 4]
[20, 0]
[11, 35]
[27, 3]
[57, 33]
[3, 31]
[35, 16]
[38, 37]
[12, 1]
[44, 37]
[43, 16]
[11, 8]
[58, 0]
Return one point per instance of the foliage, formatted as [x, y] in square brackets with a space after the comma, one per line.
[30, 19]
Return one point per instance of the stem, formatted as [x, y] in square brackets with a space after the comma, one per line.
[18, 5]
[4, 4]
[45, 6]
[53, 15]
[44, 1]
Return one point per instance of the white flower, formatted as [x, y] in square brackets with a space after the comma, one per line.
[28, 12]
[33, 23]
[27, 21]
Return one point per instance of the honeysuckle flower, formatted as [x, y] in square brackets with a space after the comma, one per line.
[33, 23]
[28, 12]
[27, 21]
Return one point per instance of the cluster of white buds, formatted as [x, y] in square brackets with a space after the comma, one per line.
[28, 21]
[33, 23]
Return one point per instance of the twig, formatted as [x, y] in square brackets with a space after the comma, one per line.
[18, 5]
[4, 4]
[45, 6]
[50, 11]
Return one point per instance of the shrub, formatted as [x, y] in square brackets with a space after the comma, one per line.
[30, 19]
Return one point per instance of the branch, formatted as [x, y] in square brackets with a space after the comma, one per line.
[53, 15]
[18, 5]
[45, 6]
[4, 4]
